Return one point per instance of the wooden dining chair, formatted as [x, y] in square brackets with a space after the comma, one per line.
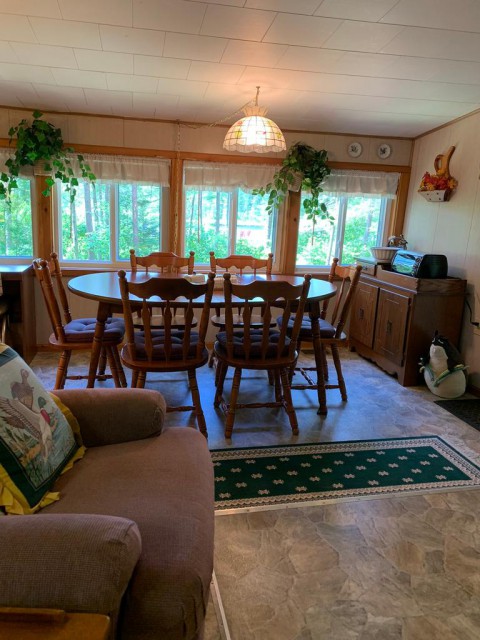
[76, 334]
[170, 348]
[260, 348]
[162, 262]
[239, 264]
[332, 335]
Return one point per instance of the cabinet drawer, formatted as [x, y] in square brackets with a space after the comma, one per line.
[391, 325]
[362, 320]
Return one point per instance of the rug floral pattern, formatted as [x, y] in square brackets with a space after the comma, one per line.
[255, 477]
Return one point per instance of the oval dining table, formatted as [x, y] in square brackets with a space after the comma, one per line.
[104, 288]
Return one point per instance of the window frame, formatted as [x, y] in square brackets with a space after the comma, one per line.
[35, 227]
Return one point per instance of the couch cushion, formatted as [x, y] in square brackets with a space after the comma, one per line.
[83, 563]
[165, 485]
[36, 441]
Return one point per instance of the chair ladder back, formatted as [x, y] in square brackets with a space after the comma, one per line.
[331, 279]
[241, 262]
[165, 261]
[44, 277]
[343, 310]
[56, 272]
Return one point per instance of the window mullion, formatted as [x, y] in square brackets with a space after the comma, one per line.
[114, 223]
[342, 216]
[232, 222]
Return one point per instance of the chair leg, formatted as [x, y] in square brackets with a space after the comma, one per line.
[325, 363]
[112, 364]
[102, 363]
[134, 379]
[3, 330]
[278, 386]
[222, 368]
[211, 360]
[192, 380]
[118, 362]
[321, 391]
[338, 369]
[287, 397]
[271, 380]
[62, 369]
[230, 419]
[142, 378]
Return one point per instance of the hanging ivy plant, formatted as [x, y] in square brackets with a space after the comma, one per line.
[303, 167]
[40, 142]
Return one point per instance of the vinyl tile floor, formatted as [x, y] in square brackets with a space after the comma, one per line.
[392, 568]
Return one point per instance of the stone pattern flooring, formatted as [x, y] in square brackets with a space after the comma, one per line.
[392, 568]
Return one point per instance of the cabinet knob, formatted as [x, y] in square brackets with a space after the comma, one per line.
[361, 314]
[389, 327]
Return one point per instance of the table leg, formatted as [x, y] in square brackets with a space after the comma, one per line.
[319, 358]
[103, 313]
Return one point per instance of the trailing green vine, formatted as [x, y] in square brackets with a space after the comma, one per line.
[41, 142]
[306, 164]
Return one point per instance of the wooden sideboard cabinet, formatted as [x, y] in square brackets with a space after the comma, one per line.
[394, 318]
[17, 282]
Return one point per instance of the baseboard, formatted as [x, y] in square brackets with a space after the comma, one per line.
[475, 391]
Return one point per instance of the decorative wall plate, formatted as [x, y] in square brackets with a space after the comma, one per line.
[384, 150]
[355, 149]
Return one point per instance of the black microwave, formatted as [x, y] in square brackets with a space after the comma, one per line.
[420, 265]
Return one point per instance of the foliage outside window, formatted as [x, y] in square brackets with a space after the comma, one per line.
[358, 225]
[228, 222]
[16, 236]
[106, 220]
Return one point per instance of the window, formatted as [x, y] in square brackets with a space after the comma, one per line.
[359, 202]
[106, 220]
[221, 214]
[16, 234]
[358, 225]
[227, 222]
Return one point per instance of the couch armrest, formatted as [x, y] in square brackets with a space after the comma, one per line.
[67, 561]
[110, 416]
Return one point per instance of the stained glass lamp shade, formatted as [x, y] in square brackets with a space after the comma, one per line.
[254, 132]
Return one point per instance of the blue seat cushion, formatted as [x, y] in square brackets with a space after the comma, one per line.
[327, 330]
[158, 339]
[83, 329]
[256, 344]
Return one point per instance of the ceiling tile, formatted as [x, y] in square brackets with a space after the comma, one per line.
[435, 43]
[104, 61]
[180, 45]
[73, 98]
[368, 10]
[229, 3]
[102, 11]
[463, 15]
[161, 67]
[215, 72]
[242, 24]
[16, 28]
[301, 30]
[362, 36]
[127, 82]
[181, 87]
[453, 71]
[7, 53]
[66, 33]
[22, 91]
[255, 53]
[104, 100]
[45, 55]
[46, 8]
[308, 59]
[306, 7]
[128, 40]
[168, 15]
[75, 78]
[26, 73]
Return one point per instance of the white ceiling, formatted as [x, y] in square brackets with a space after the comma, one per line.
[378, 67]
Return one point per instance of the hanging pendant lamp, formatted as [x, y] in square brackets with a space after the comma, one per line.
[254, 132]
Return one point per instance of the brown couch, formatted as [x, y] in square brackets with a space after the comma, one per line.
[132, 534]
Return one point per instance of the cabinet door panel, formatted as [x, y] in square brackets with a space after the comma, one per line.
[362, 319]
[391, 325]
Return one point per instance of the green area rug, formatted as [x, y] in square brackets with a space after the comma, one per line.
[274, 476]
[466, 410]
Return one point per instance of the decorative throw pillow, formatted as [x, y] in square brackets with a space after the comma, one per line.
[36, 440]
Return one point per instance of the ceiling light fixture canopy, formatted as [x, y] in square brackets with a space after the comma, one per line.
[254, 132]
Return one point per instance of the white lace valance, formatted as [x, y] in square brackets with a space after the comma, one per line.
[366, 183]
[218, 175]
[126, 168]
[111, 168]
